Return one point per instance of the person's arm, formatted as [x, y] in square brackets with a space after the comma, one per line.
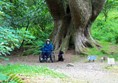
[43, 47]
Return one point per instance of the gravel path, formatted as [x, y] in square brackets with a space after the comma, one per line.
[89, 72]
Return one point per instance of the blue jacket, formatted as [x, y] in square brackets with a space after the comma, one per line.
[48, 47]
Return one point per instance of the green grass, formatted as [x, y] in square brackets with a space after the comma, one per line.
[106, 30]
[108, 49]
[29, 70]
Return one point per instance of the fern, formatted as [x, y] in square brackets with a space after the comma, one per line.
[10, 78]
[11, 39]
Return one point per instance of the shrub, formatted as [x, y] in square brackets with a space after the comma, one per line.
[11, 39]
[106, 30]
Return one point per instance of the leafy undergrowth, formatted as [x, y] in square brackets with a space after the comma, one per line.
[107, 49]
[33, 74]
[27, 74]
[29, 70]
[106, 30]
[10, 78]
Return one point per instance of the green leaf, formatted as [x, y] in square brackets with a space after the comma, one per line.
[3, 77]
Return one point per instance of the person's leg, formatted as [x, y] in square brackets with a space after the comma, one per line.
[43, 55]
[46, 55]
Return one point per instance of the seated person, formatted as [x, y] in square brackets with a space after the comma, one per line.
[47, 50]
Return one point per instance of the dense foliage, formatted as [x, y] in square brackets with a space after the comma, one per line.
[105, 29]
[23, 23]
[10, 39]
[28, 23]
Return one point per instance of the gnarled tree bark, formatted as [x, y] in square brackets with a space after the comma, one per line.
[72, 23]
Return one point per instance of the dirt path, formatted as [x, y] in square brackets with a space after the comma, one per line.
[93, 72]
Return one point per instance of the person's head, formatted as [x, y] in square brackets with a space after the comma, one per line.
[48, 41]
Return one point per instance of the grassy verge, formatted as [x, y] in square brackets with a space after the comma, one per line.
[29, 70]
[108, 49]
[33, 74]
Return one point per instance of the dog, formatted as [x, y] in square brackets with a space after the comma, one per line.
[60, 56]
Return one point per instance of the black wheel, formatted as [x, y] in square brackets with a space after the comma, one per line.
[52, 58]
[40, 58]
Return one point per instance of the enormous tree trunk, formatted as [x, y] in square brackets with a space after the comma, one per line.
[72, 22]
